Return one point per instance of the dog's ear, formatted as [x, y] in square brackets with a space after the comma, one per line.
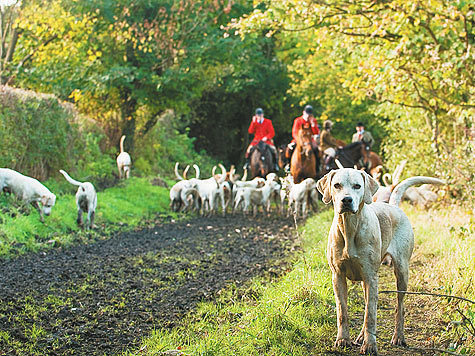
[324, 186]
[371, 186]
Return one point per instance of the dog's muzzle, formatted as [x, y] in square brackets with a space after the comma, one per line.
[346, 205]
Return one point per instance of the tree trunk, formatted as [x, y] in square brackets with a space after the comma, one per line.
[128, 115]
[12, 45]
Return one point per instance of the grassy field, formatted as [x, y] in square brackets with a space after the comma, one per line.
[295, 315]
[123, 205]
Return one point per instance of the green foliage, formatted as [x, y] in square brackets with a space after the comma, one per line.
[37, 134]
[410, 65]
[164, 145]
[93, 164]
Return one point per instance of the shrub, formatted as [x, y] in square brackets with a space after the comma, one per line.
[37, 133]
[164, 145]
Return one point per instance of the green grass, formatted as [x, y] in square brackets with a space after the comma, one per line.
[128, 203]
[295, 314]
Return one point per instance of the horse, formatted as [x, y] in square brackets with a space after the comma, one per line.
[373, 164]
[349, 155]
[261, 160]
[303, 162]
[283, 156]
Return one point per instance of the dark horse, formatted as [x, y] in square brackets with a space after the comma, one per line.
[350, 155]
[261, 160]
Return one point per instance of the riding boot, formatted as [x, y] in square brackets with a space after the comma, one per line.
[247, 164]
[317, 160]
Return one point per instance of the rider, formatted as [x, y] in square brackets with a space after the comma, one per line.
[307, 119]
[364, 136]
[328, 144]
[262, 130]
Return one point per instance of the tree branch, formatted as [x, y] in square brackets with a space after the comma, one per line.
[29, 56]
[150, 123]
[389, 37]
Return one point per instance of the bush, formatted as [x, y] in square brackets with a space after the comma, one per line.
[37, 133]
[164, 145]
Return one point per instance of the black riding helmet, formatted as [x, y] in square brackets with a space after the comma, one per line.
[259, 111]
[308, 109]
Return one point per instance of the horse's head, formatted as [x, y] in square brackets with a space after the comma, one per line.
[304, 140]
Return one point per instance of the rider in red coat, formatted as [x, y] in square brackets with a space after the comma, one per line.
[263, 130]
[306, 119]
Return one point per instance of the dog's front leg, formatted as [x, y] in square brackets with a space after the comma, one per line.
[360, 339]
[370, 285]
[341, 298]
[40, 211]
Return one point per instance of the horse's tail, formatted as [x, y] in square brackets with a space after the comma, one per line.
[398, 192]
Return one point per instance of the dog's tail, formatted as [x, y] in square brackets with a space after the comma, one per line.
[398, 192]
[177, 175]
[122, 139]
[69, 179]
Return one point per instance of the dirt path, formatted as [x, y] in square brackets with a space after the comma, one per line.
[104, 297]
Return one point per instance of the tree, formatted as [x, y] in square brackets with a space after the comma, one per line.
[414, 60]
[123, 62]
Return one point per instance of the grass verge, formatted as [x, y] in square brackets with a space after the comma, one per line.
[295, 314]
[126, 204]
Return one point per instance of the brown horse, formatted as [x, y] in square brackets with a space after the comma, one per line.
[373, 164]
[261, 160]
[303, 162]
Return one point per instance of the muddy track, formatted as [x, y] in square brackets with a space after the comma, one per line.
[102, 298]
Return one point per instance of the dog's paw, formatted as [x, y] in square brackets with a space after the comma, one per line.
[369, 349]
[343, 343]
[398, 340]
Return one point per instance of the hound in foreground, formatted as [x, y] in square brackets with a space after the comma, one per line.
[28, 189]
[86, 200]
[123, 161]
[361, 236]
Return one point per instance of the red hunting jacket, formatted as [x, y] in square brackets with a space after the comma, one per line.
[262, 130]
[300, 121]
